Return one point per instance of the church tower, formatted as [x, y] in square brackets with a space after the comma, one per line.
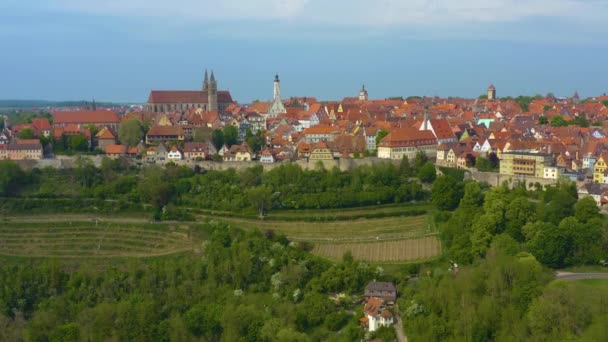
[363, 94]
[491, 92]
[206, 82]
[277, 88]
[277, 106]
[212, 94]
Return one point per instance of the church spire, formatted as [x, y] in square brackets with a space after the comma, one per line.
[212, 79]
[206, 81]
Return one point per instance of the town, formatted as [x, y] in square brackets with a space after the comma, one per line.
[531, 140]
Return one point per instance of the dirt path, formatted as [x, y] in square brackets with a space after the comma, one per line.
[399, 327]
[578, 276]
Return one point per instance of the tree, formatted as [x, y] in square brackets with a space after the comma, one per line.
[231, 135]
[605, 103]
[203, 134]
[153, 188]
[427, 172]
[130, 132]
[260, 198]
[79, 143]
[446, 193]
[484, 229]
[26, 133]
[217, 137]
[11, 177]
[380, 135]
[543, 120]
[558, 121]
[586, 209]
[519, 212]
[420, 160]
[255, 141]
[405, 169]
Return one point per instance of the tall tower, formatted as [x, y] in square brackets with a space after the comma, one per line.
[277, 88]
[212, 94]
[491, 92]
[363, 94]
[277, 106]
[206, 82]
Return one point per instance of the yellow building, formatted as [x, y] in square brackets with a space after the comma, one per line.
[525, 163]
[599, 170]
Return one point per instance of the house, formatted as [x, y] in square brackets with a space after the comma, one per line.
[174, 154]
[407, 142]
[115, 151]
[5, 136]
[320, 133]
[525, 163]
[104, 138]
[239, 153]
[599, 192]
[267, 157]
[441, 129]
[41, 127]
[599, 169]
[383, 290]
[22, 150]
[553, 172]
[223, 151]
[195, 150]
[320, 151]
[159, 133]
[376, 315]
[97, 118]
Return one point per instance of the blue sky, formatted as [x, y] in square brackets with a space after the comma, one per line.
[117, 50]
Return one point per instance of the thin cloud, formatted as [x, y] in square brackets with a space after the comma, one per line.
[346, 12]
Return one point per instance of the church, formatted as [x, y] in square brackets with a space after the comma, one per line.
[209, 99]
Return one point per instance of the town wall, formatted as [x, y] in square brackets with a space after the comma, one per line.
[497, 179]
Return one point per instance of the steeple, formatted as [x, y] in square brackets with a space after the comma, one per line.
[425, 124]
[206, 82]
[277, 106]
[94, 105]
[212, 94]
[363, 94]
[277, 89]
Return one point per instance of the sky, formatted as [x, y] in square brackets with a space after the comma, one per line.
[119, 50]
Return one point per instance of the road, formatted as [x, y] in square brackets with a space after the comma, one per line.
[578, 276]
[399, 327]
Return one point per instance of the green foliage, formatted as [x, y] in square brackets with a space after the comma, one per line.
[586, 209]
[558, 121]
[380, 135]
[11, 178]
[605, 103]
[255, 141]
[543, 120]
[217, 137]
[230, 135]
[456, 174]
[26, 134]
[130, 132]
[427, 172]
[446, 193]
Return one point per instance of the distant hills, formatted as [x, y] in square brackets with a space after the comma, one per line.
[28, 104]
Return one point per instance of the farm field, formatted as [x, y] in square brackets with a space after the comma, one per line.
[390, 240]
[384, 252]
[91, 239]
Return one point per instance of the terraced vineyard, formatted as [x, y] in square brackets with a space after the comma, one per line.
[91, 239]
[386, 251]
[392, 239]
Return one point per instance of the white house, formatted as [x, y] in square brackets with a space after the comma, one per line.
[552, 172]
[174, 154]
[267, 157]
[376, 315]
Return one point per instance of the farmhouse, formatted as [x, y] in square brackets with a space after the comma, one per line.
[383, 290]
[376, 315]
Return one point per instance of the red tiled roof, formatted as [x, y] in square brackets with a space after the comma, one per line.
[85, 117]
[116, 149]
[41, 124]
[166, 130]
[186, 96]
[408, 137]
[442, 128]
